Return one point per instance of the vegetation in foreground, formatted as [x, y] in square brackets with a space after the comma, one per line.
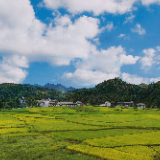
[71, 133]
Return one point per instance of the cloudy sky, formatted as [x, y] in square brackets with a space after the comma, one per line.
[79, 43]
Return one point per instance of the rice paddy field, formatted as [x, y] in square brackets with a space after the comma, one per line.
[79, 133]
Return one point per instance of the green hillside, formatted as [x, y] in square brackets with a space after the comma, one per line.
[113, 90]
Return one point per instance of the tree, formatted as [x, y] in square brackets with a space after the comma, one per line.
[5, 105]
[31, 101]
[34, 103]
[17, 102]
[11, 103]
[1, 104]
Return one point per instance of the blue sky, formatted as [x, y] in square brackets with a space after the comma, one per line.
[79, 43]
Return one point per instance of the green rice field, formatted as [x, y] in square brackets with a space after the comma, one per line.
[79, 133]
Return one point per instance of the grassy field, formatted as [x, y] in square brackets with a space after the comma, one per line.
[79, 133]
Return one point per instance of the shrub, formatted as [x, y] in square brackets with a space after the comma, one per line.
[118, 108]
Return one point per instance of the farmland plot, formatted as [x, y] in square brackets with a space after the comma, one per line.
[86, 134]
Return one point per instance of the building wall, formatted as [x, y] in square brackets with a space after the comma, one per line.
[140, 106]
[44, 104]
[108, 104]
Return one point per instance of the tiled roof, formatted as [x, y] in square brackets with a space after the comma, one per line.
[141, 104]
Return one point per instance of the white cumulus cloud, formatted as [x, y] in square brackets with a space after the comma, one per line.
[22, 34]
[121, 35]
[101, 65]
[11, 69]
[148, 2]
[109, 26]
[95, 6]
[148, 59]
[129, 19]
[88, 77]
[158, 48]
[139, 29]
[109, 60]
[134, 79]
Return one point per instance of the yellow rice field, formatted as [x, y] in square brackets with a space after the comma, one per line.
[103, 133]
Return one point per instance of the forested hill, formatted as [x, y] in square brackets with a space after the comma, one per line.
[110, 90]
[118, 90]
[11, 91]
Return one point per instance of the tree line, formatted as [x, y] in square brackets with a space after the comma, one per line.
[113, 90]
[117, 90]
[10, 95]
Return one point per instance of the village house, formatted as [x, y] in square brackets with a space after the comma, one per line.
[123, 104]
[79, 103]
[49, 102]
[53, 103]
[129, 104]
[102, 105]
[43, 103]
[107, 104]
[66, 104]
[141, 105]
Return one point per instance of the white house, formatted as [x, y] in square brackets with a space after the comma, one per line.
[107, 104]
[43, 103]
[79, 103]
[53, 103]
[141, 105]
[66, 104]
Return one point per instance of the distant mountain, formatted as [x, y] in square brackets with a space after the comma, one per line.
[58, 87]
